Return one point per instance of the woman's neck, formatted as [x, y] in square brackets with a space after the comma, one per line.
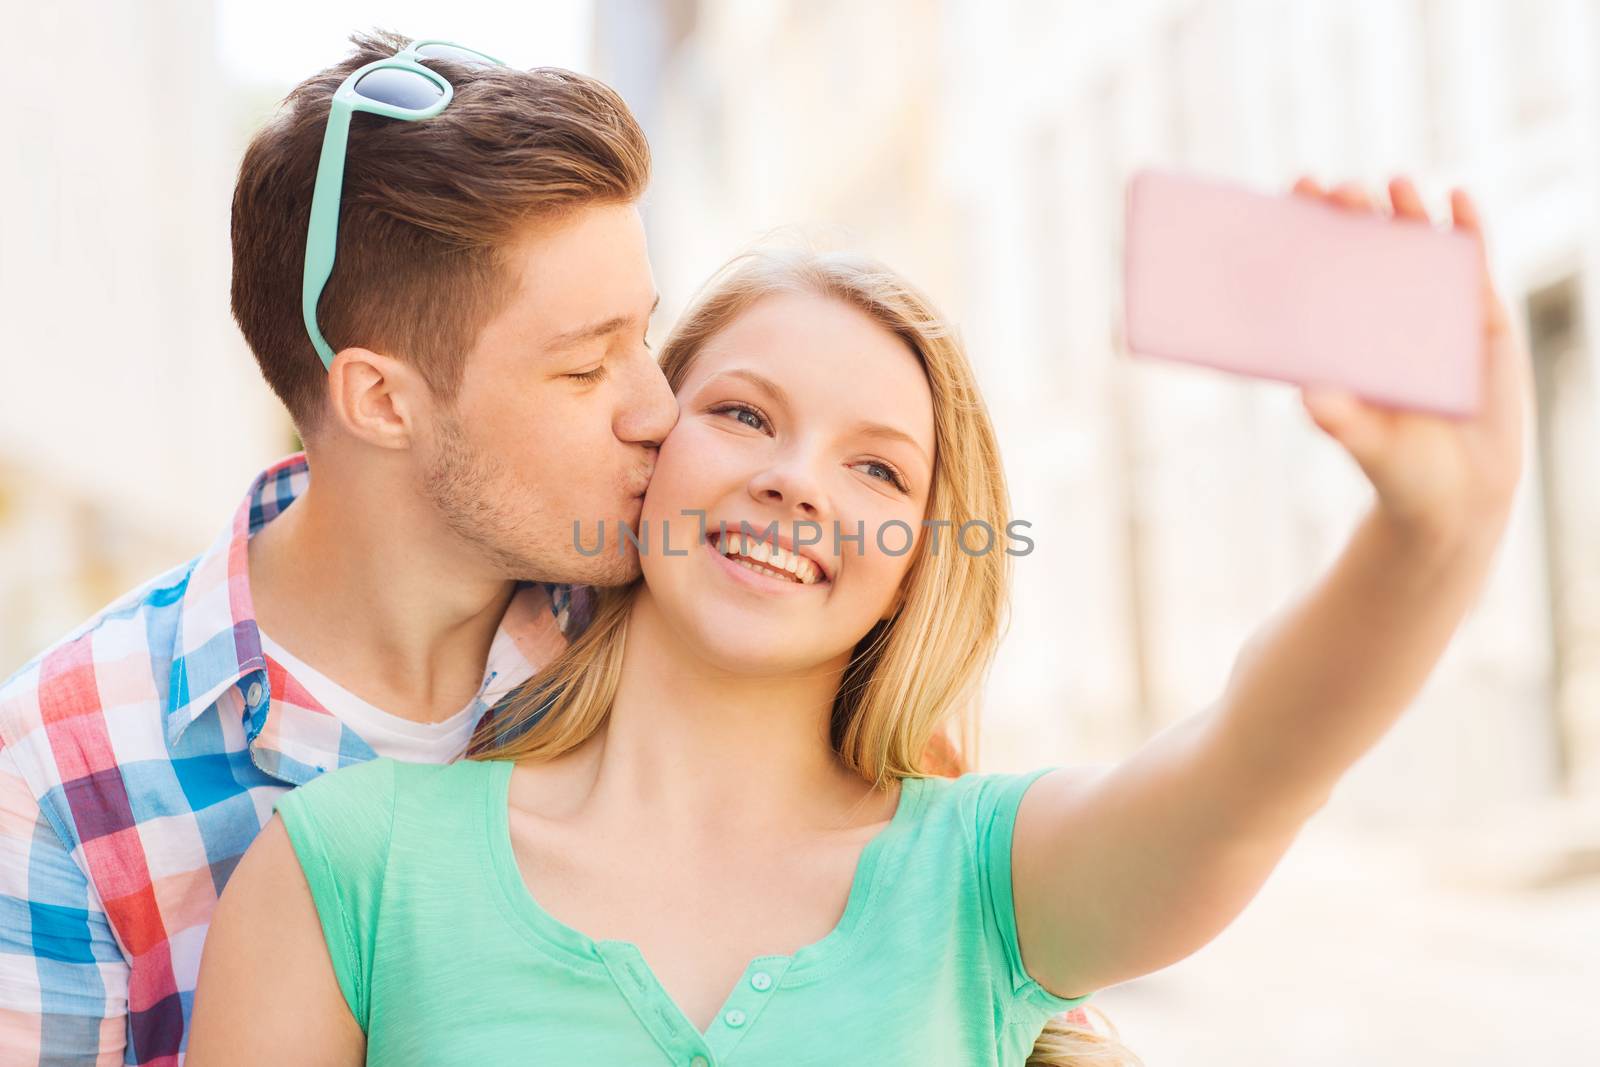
[697, 746]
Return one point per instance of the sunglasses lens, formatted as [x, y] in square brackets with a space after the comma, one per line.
[399, 88]
[455, 55]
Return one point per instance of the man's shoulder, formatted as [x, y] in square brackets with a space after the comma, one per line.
[61, 682]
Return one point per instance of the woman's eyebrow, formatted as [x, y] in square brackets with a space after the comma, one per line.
[878, 429]
[860, 429]
[760, 381]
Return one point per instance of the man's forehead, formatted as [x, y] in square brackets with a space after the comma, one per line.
[580, 278]
[595, 237]
[597, 328]
[545, 321]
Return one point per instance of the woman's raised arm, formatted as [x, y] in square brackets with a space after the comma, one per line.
[1119, 873]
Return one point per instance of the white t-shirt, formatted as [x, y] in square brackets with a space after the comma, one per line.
[389, 735]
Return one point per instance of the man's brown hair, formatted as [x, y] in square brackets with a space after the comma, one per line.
[427, 207]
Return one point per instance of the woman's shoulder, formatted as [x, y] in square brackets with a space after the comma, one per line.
[972, 815]
[963, 861]
[379, 780]
[365, 784]
[351, 805]
[365, 800]
[974, 795]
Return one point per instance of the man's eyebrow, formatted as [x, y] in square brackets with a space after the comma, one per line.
[863, 429]
[599, 329]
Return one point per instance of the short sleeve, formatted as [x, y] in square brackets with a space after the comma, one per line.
[998, 798]
[340, 827]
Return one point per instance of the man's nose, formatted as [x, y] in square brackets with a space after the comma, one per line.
[649, 411]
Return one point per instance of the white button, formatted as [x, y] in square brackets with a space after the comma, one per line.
[698, 1061]
[252, 696]
[761, 980]
[734, 1018]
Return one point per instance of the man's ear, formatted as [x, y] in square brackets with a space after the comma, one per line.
[376, 398]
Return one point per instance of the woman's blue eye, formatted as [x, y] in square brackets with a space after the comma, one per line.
[889, 474]
[739, 411]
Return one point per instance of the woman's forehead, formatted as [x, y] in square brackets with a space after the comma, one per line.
[824, 351]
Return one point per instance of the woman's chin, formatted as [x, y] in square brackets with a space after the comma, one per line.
[741, 648]
[740, 644]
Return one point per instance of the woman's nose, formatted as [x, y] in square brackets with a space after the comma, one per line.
[792, 485]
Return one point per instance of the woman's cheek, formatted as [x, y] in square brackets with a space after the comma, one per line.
[887, 548]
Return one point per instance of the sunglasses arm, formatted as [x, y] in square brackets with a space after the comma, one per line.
[322, 235]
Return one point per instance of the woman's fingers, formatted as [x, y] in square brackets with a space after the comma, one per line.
[1464, 213]
[1307, 186]
[1507, 369]
[1407, 202]
[1354, 423]
[1351, 195]
[1357, 426]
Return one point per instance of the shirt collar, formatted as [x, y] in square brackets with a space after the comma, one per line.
[219, 645]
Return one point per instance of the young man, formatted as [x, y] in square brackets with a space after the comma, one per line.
[487, 307]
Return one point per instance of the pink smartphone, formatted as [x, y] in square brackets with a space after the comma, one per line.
[1291, 289]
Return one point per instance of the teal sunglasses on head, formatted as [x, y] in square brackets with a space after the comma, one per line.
[399, 87]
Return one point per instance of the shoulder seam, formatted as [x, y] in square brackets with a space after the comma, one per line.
[365, 991]
[972, 805]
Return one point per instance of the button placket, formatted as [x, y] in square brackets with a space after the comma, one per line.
[753, 993]
[672, 1032]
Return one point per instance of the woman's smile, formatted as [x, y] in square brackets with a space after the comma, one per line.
[763, 566]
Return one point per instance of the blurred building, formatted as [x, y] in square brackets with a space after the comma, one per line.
[131, 415]
[983, 148]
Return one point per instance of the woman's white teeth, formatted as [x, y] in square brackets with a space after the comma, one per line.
[767, 558]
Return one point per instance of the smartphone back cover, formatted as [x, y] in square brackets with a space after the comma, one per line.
[1295, 290]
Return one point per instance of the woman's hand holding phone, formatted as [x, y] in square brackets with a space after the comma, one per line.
[1118, 874]
[1441, 477]
[1389, 325]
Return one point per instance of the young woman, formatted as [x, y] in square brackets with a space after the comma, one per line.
[708, 835]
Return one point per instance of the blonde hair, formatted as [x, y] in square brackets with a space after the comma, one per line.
[906, 704]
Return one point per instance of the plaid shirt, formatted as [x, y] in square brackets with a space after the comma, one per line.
[138, 759]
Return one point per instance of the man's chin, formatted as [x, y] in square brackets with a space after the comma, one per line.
[609, 568]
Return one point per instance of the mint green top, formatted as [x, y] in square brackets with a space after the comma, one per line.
[445, 958]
